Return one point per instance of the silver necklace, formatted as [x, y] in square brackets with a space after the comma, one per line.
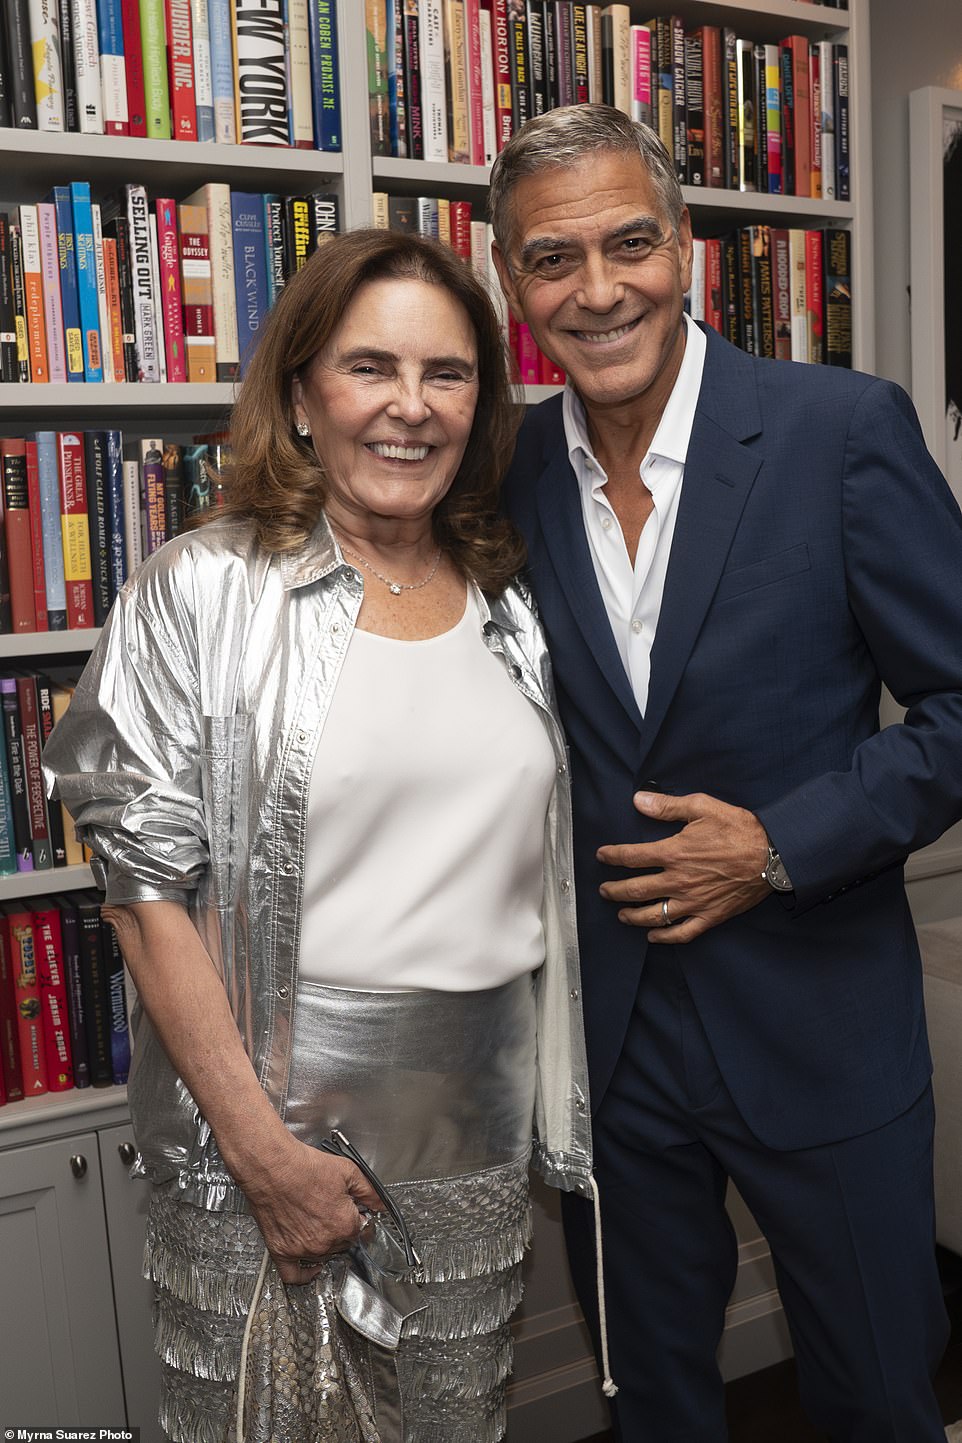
[395, 587]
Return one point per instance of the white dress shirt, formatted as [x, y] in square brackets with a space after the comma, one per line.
[633, 594]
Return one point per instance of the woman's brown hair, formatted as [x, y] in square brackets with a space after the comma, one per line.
[275, 479]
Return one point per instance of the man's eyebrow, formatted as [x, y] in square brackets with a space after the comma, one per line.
[547, 245]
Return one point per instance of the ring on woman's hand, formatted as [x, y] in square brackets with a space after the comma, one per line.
[310, 1262]
[665, 919]
[368, 1227]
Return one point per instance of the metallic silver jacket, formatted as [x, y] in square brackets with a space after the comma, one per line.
[185, 760]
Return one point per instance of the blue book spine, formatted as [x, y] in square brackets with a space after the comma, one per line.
[8, 846]
[222, 70]
[119, 1034]
[55, 585]
[324, 75]
[69, 293]
[116, 539]
[250, 271]
[83, 228]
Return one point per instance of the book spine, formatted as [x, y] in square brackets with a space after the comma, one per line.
[826, 54]
[220, 233]
[95, 469]
[696, 292]
[731, 289]
[71, 107]
[95, 993]
[301, 121]
[180, 70]
[456, 82]
[788, 120]
[595, 74]
[765, 307]
[19, 304]
[75, 530]
[782, 294]
[537, 61]
[396, 104]
[297, 232]
[9, 369]
[153, 37]
[49, 488]
[714, 128]
[168, 255]
[714, 309]
[324, 75]
[33, 293]
[375, 24]
[152, 480]
[744, 61]
[695, 109]
[86, 263]
[501, 66]
[87, 62]
[815, 90]
[47, 68]
[801, 86]
[489, 131]
[113, 67]
[70, 942]
[60, 697]
[411, 63]
[729, 73]
[133, 505]
[641, 107]
[250, 271]
[222, 71]
[678, 126]
[114, 485]
[69, 292]
[19, 55]
[157, 298]
[843, 170]
[33, 1064]
[203, 80]
[9, 1031]
[16, 772]
[461, 228]
[125, 286]
[141, 272]
[117, 1005]
[54, 810]
[261, 93]
[837, 291]
[324, 212]
[521, 102]
[814, 295]
[103, 300]
[134, 67]
[800, 337]
[760, 149]
[16, 529]
[197, 294]
[474, 67]
[746, 317]
[773, 115]
[48, 951]
[36, 537]
[174, 499]
[579, 54]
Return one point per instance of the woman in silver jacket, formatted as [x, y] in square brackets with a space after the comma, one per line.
[316, 758]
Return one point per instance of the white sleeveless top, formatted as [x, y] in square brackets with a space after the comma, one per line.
[426, 820]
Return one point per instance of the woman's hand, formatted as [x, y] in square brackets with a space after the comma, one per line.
[307, 1205]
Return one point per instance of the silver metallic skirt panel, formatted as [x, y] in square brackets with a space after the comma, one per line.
[436, 1090]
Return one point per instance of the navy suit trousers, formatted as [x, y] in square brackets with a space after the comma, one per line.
[850, 1225]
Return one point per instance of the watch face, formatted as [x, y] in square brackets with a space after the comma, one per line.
[776, 876]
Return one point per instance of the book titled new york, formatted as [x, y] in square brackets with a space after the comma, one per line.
[324, 74]
[250, 271]
[51, 979]
[262, 95]
[75, 530]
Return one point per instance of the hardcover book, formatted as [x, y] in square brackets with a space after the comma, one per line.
[51, 978]
[16, 531]
[261, 94]
[75, 530]
[197, 293]
[33, 1064]
[48, 485]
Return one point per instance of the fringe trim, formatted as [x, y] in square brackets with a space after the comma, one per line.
[207, 1260]
[448, 1261]
[482, 1430]
[224, 1293]
[463, 1315]
[204, 1345]
[466, 1373]
[194, 1412]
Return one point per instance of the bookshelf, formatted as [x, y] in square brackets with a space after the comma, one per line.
[551, 1400]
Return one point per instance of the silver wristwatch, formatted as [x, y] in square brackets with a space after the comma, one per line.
[775, 874]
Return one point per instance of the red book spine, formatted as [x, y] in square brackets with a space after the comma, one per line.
[180, 59]
[168, 256]
[714, 312]
[75, 531]
[549, 372]
[801, 80]
[9, 1030]
[814, 295]
[527, 357]
[134, 65]
[16, 531]
[475, 102]
[36, 538]
[33, 1065]
[501, 44]
[461, 228]
[48, 950]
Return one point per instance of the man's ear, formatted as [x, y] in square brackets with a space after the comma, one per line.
[507, 282]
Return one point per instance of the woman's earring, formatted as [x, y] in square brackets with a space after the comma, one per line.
[303, 429]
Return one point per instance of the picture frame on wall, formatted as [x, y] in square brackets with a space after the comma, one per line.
[935, 201]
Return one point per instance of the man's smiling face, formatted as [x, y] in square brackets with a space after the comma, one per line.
[598, 274]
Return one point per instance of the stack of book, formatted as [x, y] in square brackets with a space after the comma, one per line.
[135, 289]
[81, 509]
[784, 294]
[452, 222]
[247, 72]
[452, 80]
[63, 1008]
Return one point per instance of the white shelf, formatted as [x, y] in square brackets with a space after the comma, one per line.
[50, 879]
[47, 643]
[48, 1114]
[62, 400]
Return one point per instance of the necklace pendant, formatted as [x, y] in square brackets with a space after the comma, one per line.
[395, 589]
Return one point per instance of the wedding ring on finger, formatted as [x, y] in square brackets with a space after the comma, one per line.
[665, 919]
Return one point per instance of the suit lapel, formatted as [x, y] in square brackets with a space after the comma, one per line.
[719, 473]
[562, 527]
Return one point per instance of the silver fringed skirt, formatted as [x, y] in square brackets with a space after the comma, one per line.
[436, 1090]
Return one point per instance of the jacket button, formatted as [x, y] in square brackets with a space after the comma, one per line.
[335, 627]
[288, 867]
[282, 991]
[580, 1105]
[565, 885]
[573, 994]
[562, 769]
[515, 670]
[302, 736]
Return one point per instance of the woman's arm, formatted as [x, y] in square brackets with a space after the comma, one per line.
[305, 1201]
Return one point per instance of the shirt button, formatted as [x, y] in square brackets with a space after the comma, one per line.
[565, 885]
[579, 1104]
[637, 627]
[335, 627]
[606, 522]
[573, 994]
[562, 769]
[282, 991]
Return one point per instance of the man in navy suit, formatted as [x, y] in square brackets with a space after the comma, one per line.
[730, 557]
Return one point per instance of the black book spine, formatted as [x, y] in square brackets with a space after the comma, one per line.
[608, 64]
[174, 488]
[95, 465]
[96, 999]
[695, 109]
[17, 774]
[23, 101]
[54, 812]
[19, 303]
[6, 111]
[564, 52]
[71, 104]
[9, 368]
[746, 318]
[414, 116]
[761, 119]
[117, 228]
[70, 940]
[520, 77]
[730, 108]
[731, 289]
[550, 53]
[679, 126]
[837, 292]
[843, 159]
[536, 68]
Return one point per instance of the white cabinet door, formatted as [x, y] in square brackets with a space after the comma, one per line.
[59, 1365]
[126, 1199]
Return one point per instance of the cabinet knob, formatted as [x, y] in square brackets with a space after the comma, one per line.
[127, 1153]
[78, 1165]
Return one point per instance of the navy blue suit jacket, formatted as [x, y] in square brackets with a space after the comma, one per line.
[817, 553]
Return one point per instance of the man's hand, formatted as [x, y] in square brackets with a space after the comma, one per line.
[709, 871]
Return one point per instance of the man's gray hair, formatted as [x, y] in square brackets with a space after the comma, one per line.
[567, 137]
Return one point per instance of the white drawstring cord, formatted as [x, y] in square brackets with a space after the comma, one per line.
[242, 1370]
[608, 1386]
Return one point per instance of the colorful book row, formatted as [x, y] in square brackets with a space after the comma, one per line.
[134, 289]
[782, 294]
[63, 1006]
[247, 72]
[81, 509]
[452, 80]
